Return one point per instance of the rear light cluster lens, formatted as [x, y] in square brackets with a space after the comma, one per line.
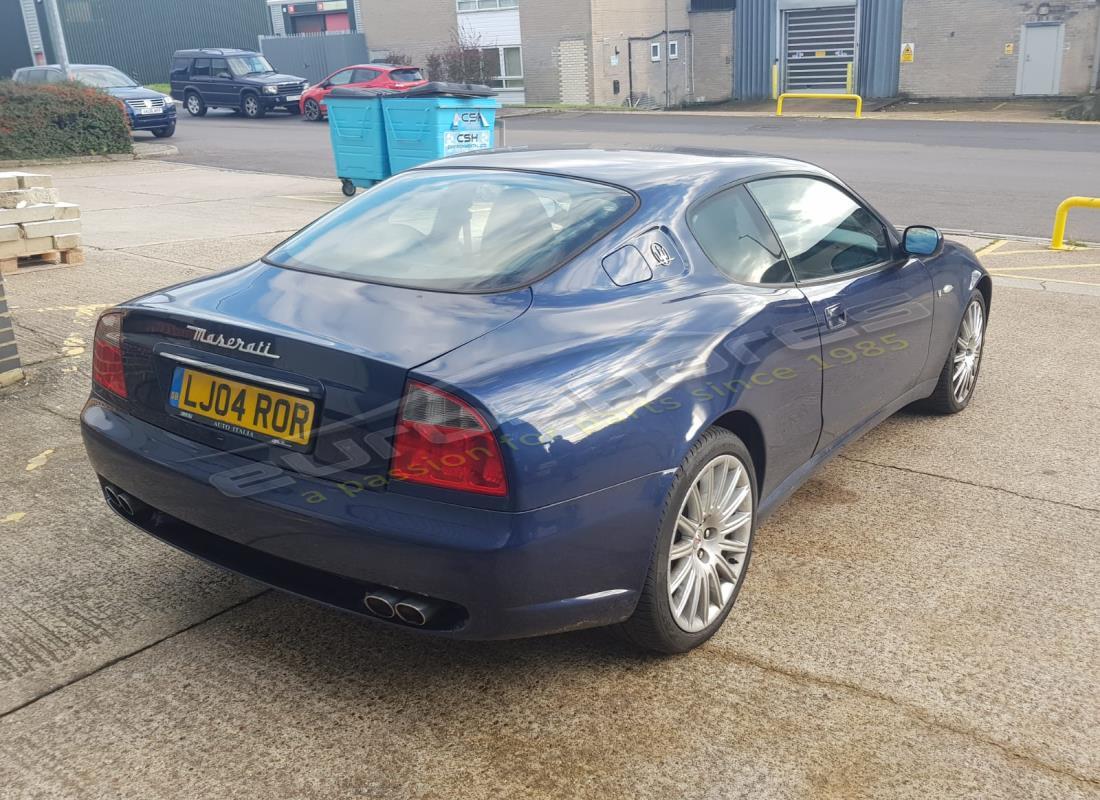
[107, 370]
[442, 441]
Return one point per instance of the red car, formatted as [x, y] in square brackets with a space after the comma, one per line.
[376, 76]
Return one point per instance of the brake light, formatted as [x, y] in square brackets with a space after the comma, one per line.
[107, 354]
[441, 441]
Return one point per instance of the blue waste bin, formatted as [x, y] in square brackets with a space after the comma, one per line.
[437, 120]
[358, 135]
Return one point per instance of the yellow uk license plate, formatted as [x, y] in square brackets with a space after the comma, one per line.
[242, 408]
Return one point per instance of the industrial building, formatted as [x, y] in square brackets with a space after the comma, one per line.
[653, 53]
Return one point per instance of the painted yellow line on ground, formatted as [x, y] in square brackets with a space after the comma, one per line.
[991, 247]
[1049, 266]
[1043, 280]
[1031, 252]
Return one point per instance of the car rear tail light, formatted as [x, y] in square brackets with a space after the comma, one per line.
[441, 441]
[107, 354]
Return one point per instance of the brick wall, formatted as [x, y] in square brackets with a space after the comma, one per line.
[712, 39]
[413, 27]
[616, 21]
[556, 36]
[962, 53]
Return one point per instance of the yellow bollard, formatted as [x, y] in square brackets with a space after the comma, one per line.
[775, 81]
[856, 97]
[1058, 238]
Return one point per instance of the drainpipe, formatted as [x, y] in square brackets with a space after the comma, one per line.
[668, 100]
[1096, 56]
[58, 36]
[629, 73]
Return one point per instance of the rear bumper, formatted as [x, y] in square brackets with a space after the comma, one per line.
[575, 564]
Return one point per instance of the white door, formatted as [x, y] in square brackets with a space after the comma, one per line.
[1040, 60]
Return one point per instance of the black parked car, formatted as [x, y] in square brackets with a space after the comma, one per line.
[239, 79]
[146, 109]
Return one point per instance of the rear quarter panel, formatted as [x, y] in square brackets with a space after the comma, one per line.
[599, 384]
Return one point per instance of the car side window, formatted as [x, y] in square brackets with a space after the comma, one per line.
[341, 78]
[219, 67]
[823, 229]
[365, 75]
[32, 76]
[736, 238]
[54, 76]
[201, 68]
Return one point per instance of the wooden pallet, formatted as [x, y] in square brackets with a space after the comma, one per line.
[71, 257]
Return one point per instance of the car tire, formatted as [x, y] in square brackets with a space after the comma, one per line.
[716, 562]
[251, 106]
[194, 104]
[164, 133]
[312, 111]
[951, 394]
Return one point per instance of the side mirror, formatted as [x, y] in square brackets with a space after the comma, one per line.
[326, 84]
[922, 240]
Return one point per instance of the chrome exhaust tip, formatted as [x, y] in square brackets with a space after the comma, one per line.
[381, 604]
[111, 496]
[416, 611]
[125, 505]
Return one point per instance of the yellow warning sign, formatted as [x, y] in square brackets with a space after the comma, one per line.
[907, 53]
[820, 54]
[1010, 48]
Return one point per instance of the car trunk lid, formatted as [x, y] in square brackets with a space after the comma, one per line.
[343, 345]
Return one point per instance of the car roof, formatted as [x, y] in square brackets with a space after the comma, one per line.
[71, 66]
[373, 65]
[634, 169]
[213, 51]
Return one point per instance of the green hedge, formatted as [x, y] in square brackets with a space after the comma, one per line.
[57, 120]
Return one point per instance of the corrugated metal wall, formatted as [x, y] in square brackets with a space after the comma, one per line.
[139, 36]
[14, 52]
[315, 55]
[880, 47]
[753, 49]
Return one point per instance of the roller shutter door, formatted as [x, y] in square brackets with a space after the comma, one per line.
[818, 46]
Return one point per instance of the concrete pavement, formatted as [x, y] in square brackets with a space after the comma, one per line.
[920, 620]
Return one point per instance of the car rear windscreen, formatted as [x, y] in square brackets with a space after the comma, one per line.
[406, 75]
[458, 230]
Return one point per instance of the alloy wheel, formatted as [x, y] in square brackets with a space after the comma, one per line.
[251, 106]
[968, 352]
[193, 104]
[710, 544]
[312, 110]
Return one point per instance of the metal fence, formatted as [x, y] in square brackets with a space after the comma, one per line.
[315, 55]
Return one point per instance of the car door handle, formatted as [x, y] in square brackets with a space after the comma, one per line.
[835, 317]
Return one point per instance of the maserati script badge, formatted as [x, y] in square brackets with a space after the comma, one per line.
[232, 343]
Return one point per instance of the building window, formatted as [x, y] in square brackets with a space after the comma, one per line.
[509, 73]
[712, 5]
[673, 50]
[486, 5]
[655, 51]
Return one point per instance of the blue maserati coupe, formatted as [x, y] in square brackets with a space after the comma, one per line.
[517, 393]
